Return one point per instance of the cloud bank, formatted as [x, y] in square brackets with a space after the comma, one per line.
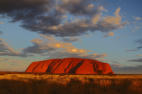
[140, 44]
[61, 17]
[6, 50]
[127, 69]
[52, 48]
[136, 60]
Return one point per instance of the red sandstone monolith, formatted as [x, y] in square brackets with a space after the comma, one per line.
[70, 66]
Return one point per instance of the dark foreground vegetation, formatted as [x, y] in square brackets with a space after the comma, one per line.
[69, 84]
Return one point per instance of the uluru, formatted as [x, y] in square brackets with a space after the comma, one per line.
[70, 66]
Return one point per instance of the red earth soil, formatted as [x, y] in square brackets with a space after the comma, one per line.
[70, 66]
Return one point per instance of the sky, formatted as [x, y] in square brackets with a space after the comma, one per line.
[107, 30]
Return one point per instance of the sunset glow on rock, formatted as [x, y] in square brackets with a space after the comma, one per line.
[70, 66]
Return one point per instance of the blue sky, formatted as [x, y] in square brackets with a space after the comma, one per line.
[117, 46]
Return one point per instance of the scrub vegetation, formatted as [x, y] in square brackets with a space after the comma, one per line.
[26, 83]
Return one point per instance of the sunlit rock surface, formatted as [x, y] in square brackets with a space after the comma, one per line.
[70, 66]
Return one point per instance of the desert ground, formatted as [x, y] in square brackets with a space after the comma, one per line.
[41, 83]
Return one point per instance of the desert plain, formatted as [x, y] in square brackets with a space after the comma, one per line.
[42, 83]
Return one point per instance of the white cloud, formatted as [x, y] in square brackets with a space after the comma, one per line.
[137, 18]
[109, 34]
[5, 49]
[96, 18]
[50, 46]
[114, 20]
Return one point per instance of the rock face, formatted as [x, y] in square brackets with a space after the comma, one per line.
[70, 66]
